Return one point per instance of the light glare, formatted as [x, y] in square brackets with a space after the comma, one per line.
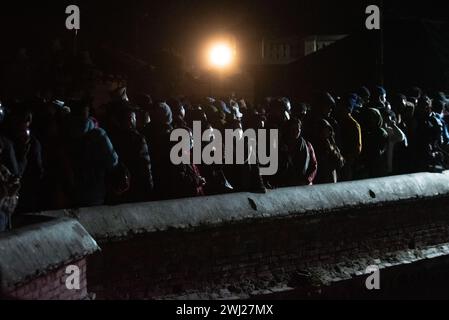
[221, 55]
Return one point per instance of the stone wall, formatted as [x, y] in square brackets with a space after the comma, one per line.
[297, 240]
[34, 261]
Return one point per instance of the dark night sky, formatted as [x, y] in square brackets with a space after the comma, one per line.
[181, 24]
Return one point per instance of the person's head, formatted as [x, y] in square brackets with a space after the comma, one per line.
[287, 103]
[143, 101]
[235, 110]
[413, 101]
[127, 118]
[197, 114]
[177, 108]
[19, 123]
[279, 111]
[438, 106]
[299, 111]
[399, 103]
[235, 125]
[390, 118]
[424, 106]
[222, 107]
[162, 114]
[243, 106]
[142, 119]
[215, 117]
[79, 108]
[20, 116]
[379, 95]
[323, 104]
[254, 120]
[415, 93]
[364, 94]
[439, 103]
[292, 129]
[409, 111]
[346, 104]
[120, 94]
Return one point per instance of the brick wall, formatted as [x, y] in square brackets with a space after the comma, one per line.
[251, 258]
[246, 245]
[52, 286]
[34, 260]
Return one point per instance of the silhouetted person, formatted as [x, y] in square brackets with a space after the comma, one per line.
[92, 156]
[243, 177]
[321, 135]
[379, 101]
[299, 111]
[278, 113]
[396, 138]
[185, 179]
[404, 112]
[132, 150]
[428, 138]
[350, 135]
[375, 139]
[28, 153]
[157, 135]
[438, 108]
[297, 161]
[179, 113]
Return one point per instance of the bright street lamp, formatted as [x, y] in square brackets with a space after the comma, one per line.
[221, 55]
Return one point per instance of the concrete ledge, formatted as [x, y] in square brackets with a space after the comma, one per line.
[240, 244]
[31, 252]
[118, 222]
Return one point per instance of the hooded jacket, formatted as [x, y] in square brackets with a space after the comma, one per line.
[92, 156]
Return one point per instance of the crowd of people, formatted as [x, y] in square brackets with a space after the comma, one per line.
[66, 154]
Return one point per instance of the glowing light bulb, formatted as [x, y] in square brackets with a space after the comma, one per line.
[221, 55]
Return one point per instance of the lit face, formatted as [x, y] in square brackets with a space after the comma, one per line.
[182, 112]
[221, 55]
[146, 118]
[133, 121]
[403, 103]
[130, 122]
